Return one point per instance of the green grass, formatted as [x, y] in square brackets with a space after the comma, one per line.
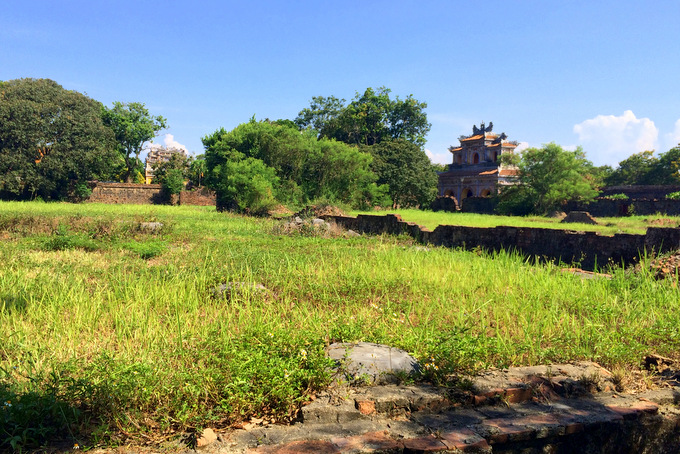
[607, 226]
[109, 333]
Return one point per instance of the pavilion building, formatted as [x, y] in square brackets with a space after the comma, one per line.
[476, 170]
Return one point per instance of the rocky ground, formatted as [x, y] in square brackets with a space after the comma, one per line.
[578, 407]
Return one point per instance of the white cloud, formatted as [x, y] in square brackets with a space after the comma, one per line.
[521, 147]
[608, 139]
[439, 158]
[672, 139]
[168, 142]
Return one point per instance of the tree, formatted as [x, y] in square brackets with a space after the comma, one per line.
[132, 126]
[635, 169]
[646, 169]
[370, 118]
[177, 160]
[197, 170]
[320, 113]
[305, 168]
[548, 178]
[407, 170]
[52, 140]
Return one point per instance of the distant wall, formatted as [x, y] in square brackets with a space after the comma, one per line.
[202, 197]
[123, 193]
[604, 207]
[640, 191]
[588, 249]
[145, 194]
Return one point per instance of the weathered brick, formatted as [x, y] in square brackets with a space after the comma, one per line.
[504, 430]
[423, 444]
[365, 407]
[299, 447]
[377, 442]
[464, 440]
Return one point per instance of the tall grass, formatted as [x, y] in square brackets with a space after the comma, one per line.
[112, 344]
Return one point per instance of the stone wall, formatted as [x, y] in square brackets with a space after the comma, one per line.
[587, 249]
[117, 193]
[640, 191]
[145, 194]
[202, 197]
[604, 207]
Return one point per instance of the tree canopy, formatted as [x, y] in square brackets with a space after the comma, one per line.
[548, 178]
[407, 170]
[133, 126]
[646, 169]
[52, 140]
[370, 118]
[293, 167]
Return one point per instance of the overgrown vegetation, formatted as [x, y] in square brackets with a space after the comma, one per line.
[107, 345]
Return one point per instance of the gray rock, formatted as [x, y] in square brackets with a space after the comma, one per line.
[298, 220]
[318, 222]
[351, 233]
[374, 363]
[151, 226]
[238, 287]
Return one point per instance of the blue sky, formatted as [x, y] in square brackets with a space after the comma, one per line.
[600, 74]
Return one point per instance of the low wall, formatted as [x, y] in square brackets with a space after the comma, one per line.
[134, 193]
[640, 191]
[145, 194]
[604, 207]
[201, 197]
[587, 249]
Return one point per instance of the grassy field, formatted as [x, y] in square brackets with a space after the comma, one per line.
[607, 226]
[111, 333]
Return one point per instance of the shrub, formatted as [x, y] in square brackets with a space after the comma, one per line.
[617, 197]
[173, 182]
[673, 195]
[246, 186]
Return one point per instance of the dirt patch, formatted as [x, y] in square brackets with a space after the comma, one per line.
[664, 222]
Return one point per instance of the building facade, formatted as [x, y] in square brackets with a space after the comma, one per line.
[156, 156]
[476, 170]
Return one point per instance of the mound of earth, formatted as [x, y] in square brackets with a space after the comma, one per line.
[315, 211]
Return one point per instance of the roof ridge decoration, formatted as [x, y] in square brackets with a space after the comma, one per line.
[482, 129]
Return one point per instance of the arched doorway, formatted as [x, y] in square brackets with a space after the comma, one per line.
[486, 192]
[448, 193]
[475, 158]
[459, 159]
[467, 192]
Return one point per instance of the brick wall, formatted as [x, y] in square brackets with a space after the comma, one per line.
[202, 197]
[144, 194]
[587, 249]
[116, 193]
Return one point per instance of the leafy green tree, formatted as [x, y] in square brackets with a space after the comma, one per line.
[132, 126]
[549, 177]
[646, 169]
[176, 161]
[197, 170]
[52, 140]
[635, 169]
[245, 185]
[667, 168]
[407, 170]
[370, 118]
[305, 168]
[320, 114]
